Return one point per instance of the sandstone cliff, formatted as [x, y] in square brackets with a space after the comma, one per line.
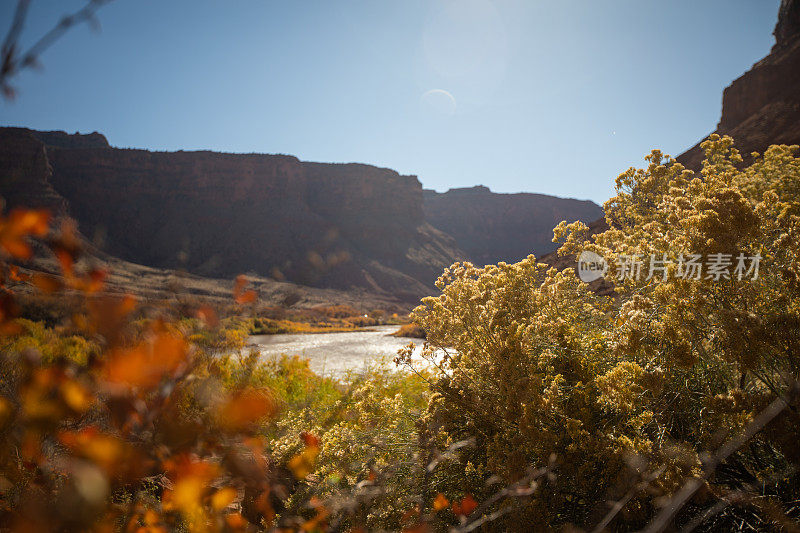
[340, 226]
[25, 172]
[215, 214]
[492, 227]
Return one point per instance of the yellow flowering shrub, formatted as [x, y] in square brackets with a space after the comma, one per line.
[634, 390]
[544, 406]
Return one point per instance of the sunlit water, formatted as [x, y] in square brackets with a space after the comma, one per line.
[336, 354]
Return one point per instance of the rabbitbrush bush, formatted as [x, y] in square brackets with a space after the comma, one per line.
[545, 405]
[633, 389]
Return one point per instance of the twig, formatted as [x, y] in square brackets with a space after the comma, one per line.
[708, 513]
[13, 63]
[519, 489]
[674, 505]
[620, 504]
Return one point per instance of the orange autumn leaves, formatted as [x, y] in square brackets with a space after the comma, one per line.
[109, 452]
[461, 508]
[16, 229]
[302, 464]
[49, 394]
[245, 408]
[147, 412]
[135, 384]
[18, 226]
[240, 295]
[67, 248]
[148, 409]
[192, 494]
[464, 507]
[143, 365]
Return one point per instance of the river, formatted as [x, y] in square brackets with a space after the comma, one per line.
[336, 354]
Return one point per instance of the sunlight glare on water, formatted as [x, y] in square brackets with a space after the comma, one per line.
[336, 354]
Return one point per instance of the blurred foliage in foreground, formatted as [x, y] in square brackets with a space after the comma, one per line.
[543, 404]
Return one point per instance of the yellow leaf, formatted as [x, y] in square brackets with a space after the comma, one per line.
[76, 396]
[187, 493]
[222, 498]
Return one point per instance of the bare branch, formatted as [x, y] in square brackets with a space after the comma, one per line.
[12, 62]
[620, 504]
[675, 504]
[522, 488]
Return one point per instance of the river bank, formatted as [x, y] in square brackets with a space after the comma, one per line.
[336, 354]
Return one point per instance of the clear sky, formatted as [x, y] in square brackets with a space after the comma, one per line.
[550, 96]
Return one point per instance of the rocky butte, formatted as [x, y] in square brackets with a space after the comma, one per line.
[492, 227]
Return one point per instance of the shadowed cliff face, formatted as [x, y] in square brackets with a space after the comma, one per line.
[787, 30]
[762, 107]
[492, 227]
[325, 225]
[25, 172]
[214, 214]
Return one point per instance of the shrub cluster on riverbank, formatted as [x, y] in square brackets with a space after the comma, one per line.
[545, 406]
[320, 319]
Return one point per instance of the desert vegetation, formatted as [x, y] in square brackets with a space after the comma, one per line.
[672, 403]
[413, 331]
[269, 320]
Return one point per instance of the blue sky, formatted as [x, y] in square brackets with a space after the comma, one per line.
[550, 96]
